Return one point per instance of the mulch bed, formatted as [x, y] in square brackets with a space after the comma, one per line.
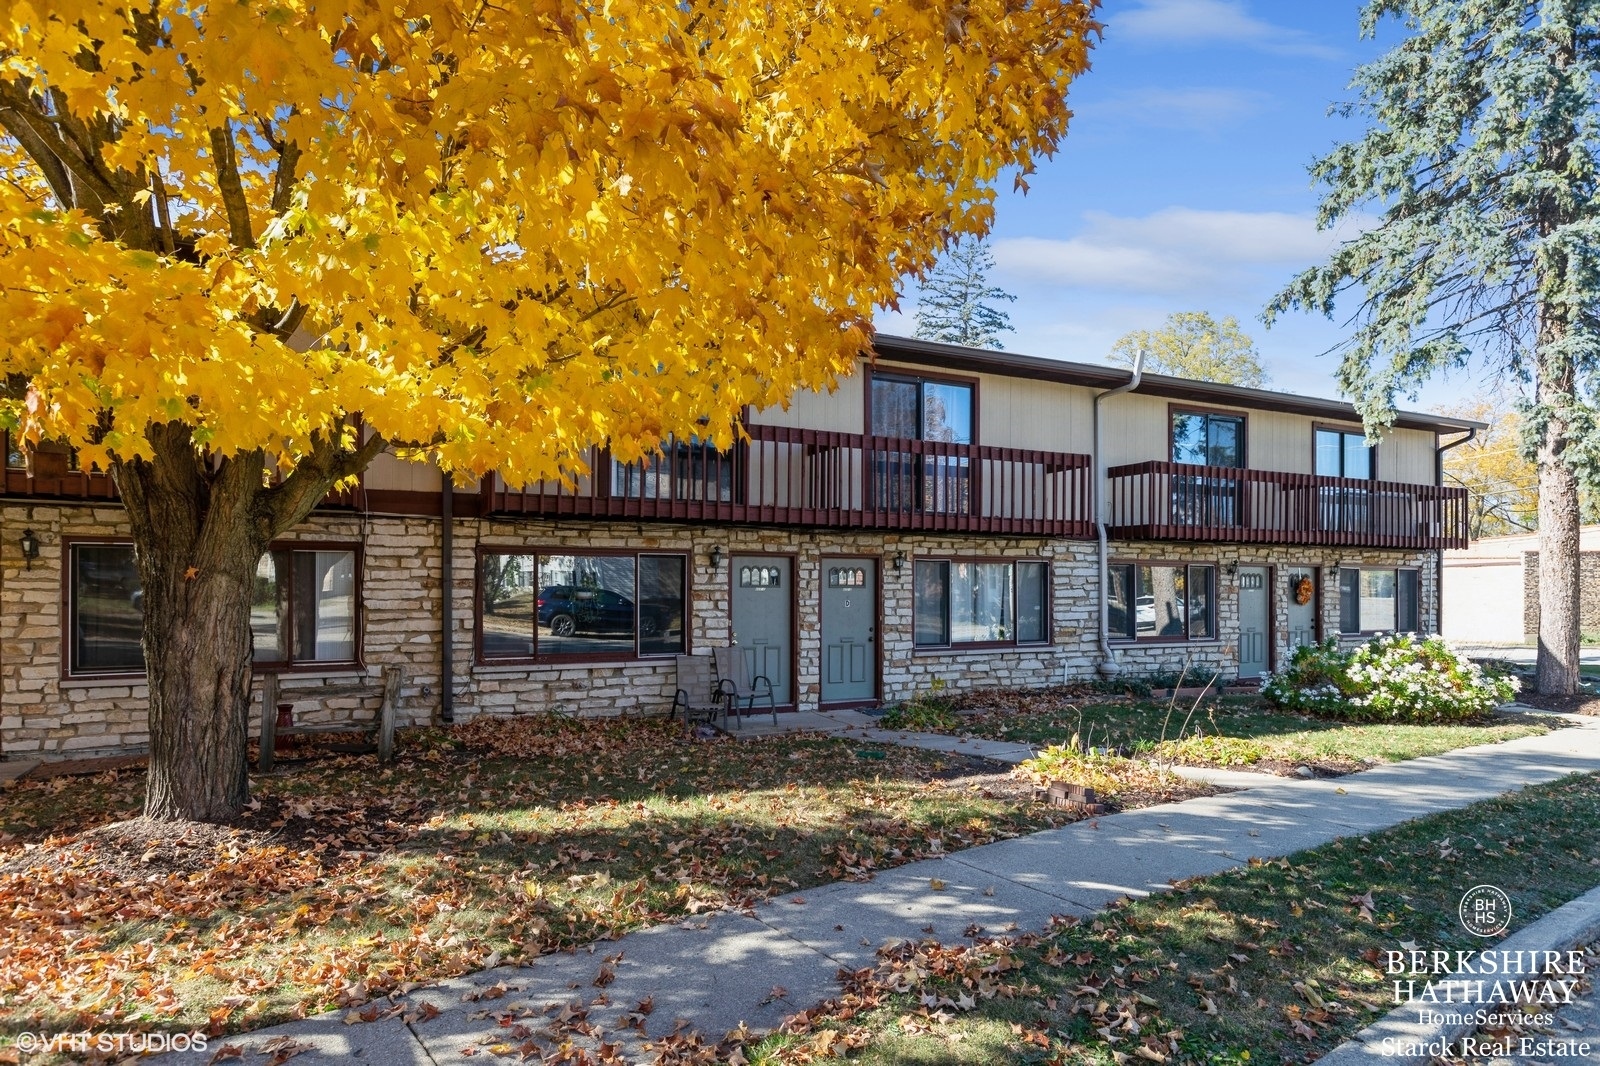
[1579, 704]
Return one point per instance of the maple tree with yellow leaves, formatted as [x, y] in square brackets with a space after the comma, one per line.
[247, 246]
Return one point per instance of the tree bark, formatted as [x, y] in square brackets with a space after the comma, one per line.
[1556, 673]
[198, 544]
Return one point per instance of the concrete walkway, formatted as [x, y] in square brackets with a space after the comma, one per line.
[714, 972]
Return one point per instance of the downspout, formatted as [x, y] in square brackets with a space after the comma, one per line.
[1438, 559]
[1108, 662]
[447, 620]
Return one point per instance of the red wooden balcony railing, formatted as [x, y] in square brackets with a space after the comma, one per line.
[804, 477]
[1176, 501]
[54, 475]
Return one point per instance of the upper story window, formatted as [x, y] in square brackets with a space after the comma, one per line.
[919, 409]
[1343, 453]
[924, 479]
[684, 470]
[534, 605]
[303, 609]
[1206, 438]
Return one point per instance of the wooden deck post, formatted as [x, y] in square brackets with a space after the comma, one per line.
[269, 720]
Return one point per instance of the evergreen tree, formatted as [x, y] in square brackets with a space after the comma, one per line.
[954, 304]
[1480, 159]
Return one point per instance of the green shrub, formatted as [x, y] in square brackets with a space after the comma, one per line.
[1392, 678]
[1210, 751]
[925, 714]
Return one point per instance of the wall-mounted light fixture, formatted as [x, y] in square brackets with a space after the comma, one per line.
[1231, 569]
[716, 557]
[30, 546]
[899, 560]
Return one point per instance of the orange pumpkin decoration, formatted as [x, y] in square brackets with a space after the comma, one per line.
[1303, 590]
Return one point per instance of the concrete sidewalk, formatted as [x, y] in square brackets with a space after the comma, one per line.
[714, 972]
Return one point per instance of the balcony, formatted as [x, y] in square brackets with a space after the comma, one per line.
[803, 477]
[1175, 501]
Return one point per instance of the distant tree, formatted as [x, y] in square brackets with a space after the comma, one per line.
[1192, 344]
[1481, 156]
[954, 303]
[1500, 477]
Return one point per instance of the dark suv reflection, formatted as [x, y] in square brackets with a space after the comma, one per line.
[569, 609]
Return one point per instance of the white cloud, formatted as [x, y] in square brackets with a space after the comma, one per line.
[1207, 110]
[1223, 21]
[1175, 250]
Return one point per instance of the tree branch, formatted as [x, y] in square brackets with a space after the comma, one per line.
[229, 185]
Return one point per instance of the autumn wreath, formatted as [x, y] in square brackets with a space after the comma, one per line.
[1303, 590]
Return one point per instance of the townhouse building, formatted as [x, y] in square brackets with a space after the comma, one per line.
[937, 517]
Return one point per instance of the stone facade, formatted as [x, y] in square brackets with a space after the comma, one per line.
[44, 713]
[1588, 594]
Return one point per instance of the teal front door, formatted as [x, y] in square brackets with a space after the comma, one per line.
[1255, 627]
[763, 619]
[849, 630]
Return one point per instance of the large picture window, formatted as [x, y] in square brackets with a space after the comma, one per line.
[1378, 600]
[958, 601]
[545, 604]
[1154, 601]
[303, 609]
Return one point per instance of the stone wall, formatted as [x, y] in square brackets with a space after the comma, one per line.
[1588, 594]
[45, 714]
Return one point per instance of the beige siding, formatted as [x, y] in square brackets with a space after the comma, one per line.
[390, 473]
[840, 411]
[1012, 412]
[1407, 455]
[1135, 429]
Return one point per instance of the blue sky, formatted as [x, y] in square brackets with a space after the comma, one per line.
[1182, 184]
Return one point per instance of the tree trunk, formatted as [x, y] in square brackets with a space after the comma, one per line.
[1557, 669]
[198, 545]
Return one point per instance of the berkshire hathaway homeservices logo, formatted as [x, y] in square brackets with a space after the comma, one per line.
[1485, 911]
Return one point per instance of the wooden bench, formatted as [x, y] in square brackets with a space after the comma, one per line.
[383, 725]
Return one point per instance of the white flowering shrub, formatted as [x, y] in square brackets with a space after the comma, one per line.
[1392, 678]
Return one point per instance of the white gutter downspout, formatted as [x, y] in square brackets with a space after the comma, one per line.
[1438, 555]
[1108, 661]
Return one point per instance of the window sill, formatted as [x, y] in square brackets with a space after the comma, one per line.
[1167, 642]
[931, 650]
[491, 667]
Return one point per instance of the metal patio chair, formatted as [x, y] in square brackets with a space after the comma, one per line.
[734, 672]
[700, 696]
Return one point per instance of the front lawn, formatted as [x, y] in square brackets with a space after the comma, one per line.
[1259, 735]
[1277, 961]
[497, 841]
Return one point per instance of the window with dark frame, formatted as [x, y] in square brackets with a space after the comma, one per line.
[684, 470]
[1343, 453]
[1205, 438]
[1379, 600]
[303, 608]
[535, 605]
[980, 601]
[914, 408]
[1162, 601]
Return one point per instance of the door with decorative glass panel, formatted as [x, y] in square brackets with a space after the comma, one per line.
[763, 619]
[849, 630]
[1255, 626]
